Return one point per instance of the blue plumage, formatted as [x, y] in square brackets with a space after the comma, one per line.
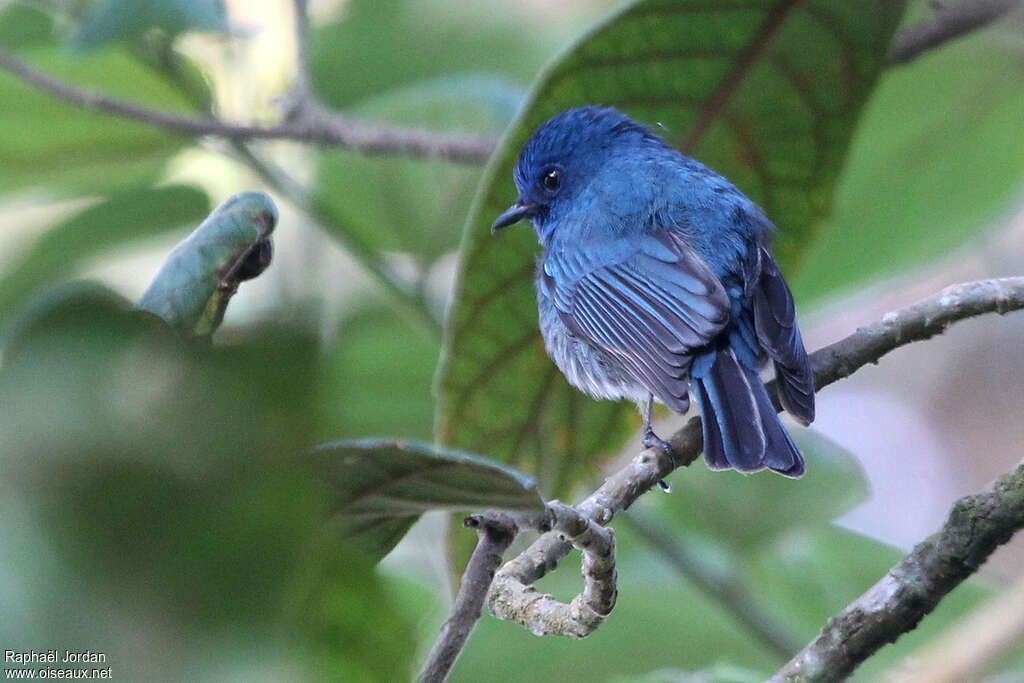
[657, 277]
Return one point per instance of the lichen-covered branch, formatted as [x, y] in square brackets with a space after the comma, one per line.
[831, 363]
[543, 614]
[496, 531]
[976, 526]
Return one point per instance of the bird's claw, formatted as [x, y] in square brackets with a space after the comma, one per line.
[652, 440]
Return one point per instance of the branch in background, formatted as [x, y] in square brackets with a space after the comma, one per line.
[949, 23]
[725, 585]
[496, 532]
[315, 127]
[866, 345]
[310, 122]
[976, 526]
[542, 613]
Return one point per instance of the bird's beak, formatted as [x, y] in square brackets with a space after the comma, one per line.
[513, 215]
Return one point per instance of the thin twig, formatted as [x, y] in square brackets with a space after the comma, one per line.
[949, 23]
[723, 585]
[496, 532]
[976, 526]
[315, 127]
[866, 345]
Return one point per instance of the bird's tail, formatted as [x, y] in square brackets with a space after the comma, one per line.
[741, 428]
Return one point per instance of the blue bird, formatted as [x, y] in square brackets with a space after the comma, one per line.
[657, 275]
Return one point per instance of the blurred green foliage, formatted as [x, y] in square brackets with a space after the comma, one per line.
[380, 45]
[127, 216]
[172, 498]
[155, 503]
[930, 164]
[109, 21]
[378, 362]
[64, 149]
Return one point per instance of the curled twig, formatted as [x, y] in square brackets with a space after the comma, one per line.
[543, 614]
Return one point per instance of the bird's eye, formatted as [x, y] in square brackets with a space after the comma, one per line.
[551, 180]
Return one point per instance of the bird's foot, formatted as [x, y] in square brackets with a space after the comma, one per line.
[652, 440]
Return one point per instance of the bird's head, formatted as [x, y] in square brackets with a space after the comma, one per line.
[567, 157]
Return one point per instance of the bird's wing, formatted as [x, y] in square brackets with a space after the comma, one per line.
[649, 308]
[777, 330]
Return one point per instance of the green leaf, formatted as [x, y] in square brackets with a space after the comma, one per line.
[46, 142]
[934, 163]
[22, 26]
[392, 204]
[118, 380]
[192, 288]
[766, 93]
[356, 625]
[467, 101]
[377, 378]
[125, 217]
[414, 206]
[381, 487]
[128, 20]
[432, 44]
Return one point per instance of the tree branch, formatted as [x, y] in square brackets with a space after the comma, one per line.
[315, 126]
[949, 23]
[915, 323]
[976, 526]
[496, 532]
